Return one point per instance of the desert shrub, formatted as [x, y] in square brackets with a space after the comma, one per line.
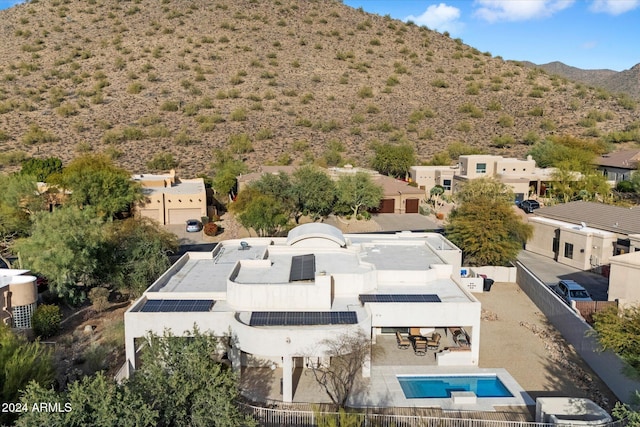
[503, 141]
[162, 161]
[238, 115]
[536, 112]
[505, 121]
[36, 135]
[67, 109]
[12, 158]
[439, 83]
[4, 136]
[365, 92]
[169, 106]
[135, 88]
[46, 320]
[99, 297]
[210, 229]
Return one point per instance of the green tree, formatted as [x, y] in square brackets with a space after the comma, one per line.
[93, 401]
[93, 180]
[226, 170]
[65, 245]
[20, 363]
[484, 224]
[314, 192]
[41, 169]
[19, 201]
[356, 192]
[393, 159]
[576, 154]
[617, 330]
[262, 212]
[183, 380]
[280, 187]
[136, 253]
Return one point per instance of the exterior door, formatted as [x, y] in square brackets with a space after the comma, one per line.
[411, 205]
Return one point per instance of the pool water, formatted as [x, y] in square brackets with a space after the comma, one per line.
[441, 386]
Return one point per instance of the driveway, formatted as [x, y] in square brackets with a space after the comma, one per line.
[551, 272]
[405, 222]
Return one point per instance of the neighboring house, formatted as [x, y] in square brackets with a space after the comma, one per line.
[584, 235]
[273, 301]
[623, 277]
[170, 200]
[398, 196]
[521, 175]
[618, 166]
[18, 298]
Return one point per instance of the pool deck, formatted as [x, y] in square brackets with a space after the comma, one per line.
[383, 389]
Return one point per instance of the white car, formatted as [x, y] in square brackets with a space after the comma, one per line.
[193, 226]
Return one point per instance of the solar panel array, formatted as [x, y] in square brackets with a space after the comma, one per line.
[177, 305]
[399, 298]
[303, 267]
[301, 318]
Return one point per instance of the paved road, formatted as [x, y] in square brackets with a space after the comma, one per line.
[405, 222]
[551, 272]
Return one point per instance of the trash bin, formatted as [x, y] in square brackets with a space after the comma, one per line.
[486, 284]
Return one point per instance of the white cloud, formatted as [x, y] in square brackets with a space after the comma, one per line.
[439, 17]
[521, 10]
[614, 7]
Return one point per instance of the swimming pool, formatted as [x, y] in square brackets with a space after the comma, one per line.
[441, 386]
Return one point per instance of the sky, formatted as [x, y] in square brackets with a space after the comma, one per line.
[589, 34]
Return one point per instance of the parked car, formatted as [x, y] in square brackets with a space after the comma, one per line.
[193, 226]
[529, 205]
[570, 290]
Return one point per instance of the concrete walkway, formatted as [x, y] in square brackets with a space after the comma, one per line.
[405, 222]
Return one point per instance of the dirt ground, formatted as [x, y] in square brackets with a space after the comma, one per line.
[516, 336]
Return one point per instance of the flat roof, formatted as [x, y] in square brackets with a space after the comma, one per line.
[568, 225]
[182, 187]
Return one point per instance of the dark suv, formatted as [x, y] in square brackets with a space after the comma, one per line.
[529, 205]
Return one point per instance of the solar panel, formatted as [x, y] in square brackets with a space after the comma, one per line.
[176, 305]
[302, 318]
[364, 298]
[303, 267]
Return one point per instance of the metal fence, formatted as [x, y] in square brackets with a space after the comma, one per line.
[268, 417]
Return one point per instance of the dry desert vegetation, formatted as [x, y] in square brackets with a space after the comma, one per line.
[274, 81]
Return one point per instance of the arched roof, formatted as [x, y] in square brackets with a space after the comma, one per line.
[315, 230]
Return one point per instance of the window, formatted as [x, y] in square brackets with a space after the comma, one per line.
[568, 250]
[446, 184]
[481, 168]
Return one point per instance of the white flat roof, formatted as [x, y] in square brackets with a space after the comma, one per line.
[569, 226]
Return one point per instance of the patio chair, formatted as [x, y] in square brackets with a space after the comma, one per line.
[403, 342]
[433, 343]
[414, 332]
[420, 347]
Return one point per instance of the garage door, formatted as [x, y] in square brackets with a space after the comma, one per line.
[412, 205]
[180, 216]
[387, 206]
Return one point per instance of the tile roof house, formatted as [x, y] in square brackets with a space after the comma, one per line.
[585, 234]
[273, 301]
[619, 165]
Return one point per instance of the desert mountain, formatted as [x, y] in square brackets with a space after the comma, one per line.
[627, 81]
[300, 78]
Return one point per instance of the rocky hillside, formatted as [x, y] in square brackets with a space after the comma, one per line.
[303, 80]
[627, 81]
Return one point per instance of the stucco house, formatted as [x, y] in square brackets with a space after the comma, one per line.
[18, 297]
[170, 200]
[521, 175]
[274, 301]
[584, 235]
